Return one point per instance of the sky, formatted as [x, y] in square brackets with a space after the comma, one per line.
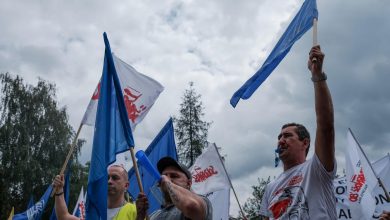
[217, 45]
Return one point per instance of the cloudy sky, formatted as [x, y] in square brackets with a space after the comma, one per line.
[218, 45]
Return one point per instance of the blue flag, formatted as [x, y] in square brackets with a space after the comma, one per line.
[35, 212]
[163, 145]
[301, 23]
[31, 202]
[66, 195]
[112, 136]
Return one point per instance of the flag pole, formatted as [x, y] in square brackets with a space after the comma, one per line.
[315, 39]
[71, 149]
[230, 182]
[369, 163]
[135, 165]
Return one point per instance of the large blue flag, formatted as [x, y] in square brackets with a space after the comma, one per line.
[163, 145]
[31, 202]
[66, 194]
[301, 23]
[35, 211]
[112, 136]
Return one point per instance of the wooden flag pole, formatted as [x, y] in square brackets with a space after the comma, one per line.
[141, 188]
[71, 149]
[135, 165]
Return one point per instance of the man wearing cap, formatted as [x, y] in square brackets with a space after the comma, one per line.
[180, 202]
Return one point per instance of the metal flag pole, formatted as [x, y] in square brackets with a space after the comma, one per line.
[377, 177]
[230, 182]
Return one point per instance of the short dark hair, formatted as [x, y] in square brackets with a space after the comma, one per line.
[301, 131]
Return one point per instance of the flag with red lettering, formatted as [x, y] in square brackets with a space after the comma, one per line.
[210, 179]
[79, 209]
[361, 181]
[208, 173]
[139, 93]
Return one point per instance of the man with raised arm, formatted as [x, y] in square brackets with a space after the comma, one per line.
[305, 188]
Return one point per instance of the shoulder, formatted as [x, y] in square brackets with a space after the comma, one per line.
[128, 211]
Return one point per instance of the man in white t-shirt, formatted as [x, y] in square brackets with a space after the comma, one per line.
[305, 189]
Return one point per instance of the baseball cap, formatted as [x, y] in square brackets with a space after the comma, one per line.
[169, 161]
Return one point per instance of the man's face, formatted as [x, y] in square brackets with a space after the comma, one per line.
[177, 177]
[292, 149]
[117, 182]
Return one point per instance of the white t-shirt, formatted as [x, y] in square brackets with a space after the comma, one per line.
[302, 192]
[111, 213]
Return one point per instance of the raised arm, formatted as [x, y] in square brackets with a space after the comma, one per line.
[60, 204]
[192, 205]
[324, 142]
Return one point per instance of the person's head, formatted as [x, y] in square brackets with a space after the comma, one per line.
[176, 172]
[118, 180]
[295, 140]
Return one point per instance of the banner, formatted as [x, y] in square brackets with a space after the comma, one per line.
[382, 167]
[79, 209]
[210, 179]
[36, 211]
[361, 180]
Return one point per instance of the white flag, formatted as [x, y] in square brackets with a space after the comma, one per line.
[79, 209]
[139, 91]
[361, 181]
[220, 200]
[382, 168]
[208, 173]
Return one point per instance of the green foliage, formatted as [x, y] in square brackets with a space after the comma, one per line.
[190, 130]
[253, 204]
[34, 141]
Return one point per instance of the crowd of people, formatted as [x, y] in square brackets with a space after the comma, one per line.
[304, 190]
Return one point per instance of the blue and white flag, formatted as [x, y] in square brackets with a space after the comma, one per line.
[79, 209]
[163, 145]
[301, 23]
[35, 212]
[112, 136]
[31, 201]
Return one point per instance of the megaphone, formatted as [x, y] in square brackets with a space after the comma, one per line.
[145, 162]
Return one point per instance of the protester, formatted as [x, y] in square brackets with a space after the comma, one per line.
[180, 202]
[305, 188]
[118, 208]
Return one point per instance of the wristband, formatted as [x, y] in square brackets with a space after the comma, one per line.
[319, 78]
[58, 194]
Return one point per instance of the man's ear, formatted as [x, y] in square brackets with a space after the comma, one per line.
[306, 143]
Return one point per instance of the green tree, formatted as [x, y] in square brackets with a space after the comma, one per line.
[191, 131]
[34, 140]
[253, 204]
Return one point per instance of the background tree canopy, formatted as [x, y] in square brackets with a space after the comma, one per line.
[34, 139]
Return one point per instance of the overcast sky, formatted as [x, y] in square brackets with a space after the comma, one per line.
[217, 44]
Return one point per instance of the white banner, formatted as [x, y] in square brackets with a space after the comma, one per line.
[220, 201]
[79, 209]
[139, 93]
[361, 181]
[382, 168]
[208, 173]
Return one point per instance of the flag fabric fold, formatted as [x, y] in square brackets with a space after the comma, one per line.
[140, 92]
[112, 135]
[163, 145]
[361, 181]
[301, 23]
[36, 211]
